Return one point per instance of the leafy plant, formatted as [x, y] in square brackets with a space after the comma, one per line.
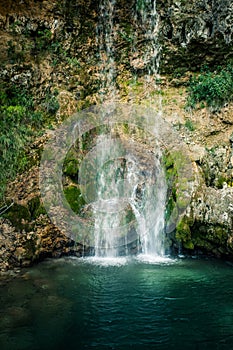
[73, 61]
[213, 88]
[14, 53]
[140, 5]
[18, 123]
[43, 39]
[128, 37]
[189, 125]
[51, 104]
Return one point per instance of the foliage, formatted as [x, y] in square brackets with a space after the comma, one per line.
[18, 123]
[50, 104]
[126, 36]
[189, 125]
[43, 39]
[140, 5]
[213, 88]
[73, 61]
[15, 53]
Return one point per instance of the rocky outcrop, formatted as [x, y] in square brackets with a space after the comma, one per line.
[195, 33]
[208, 223]
[50, 45]
[23, 247]
[26, 232]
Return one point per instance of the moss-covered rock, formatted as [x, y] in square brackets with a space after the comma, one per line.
[183, 234]
[35, 207]
[207, 225]
[19, 216]
[71, 164]
[74, 198]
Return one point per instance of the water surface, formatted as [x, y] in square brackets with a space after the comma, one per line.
[119, 304]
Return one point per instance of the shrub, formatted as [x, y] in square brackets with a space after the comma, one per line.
[18, 123]
[189, 125]
[213, 88]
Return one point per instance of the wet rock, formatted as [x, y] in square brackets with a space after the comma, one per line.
[208, 223]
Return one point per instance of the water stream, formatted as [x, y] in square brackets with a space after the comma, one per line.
[147, 20]
[117, 187]
[105, 37]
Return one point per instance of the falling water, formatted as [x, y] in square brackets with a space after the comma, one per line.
[110, 196]
[106, 45]
[147, 57]
[148, 204]
[124, 183]
[129, 183]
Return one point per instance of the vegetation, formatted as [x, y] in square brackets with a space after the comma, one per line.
[211, 88]
[18, 123]
[171, 177]
[189, 125]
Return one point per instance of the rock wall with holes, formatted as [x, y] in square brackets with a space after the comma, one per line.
[194, 33]
[46, 45]
[49, 49]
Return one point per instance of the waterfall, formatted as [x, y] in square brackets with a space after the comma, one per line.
[149, 208]
[131, 189]
[147, 20]
[105, 35]
[109, 196]
[129, 182]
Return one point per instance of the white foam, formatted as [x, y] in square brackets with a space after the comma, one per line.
[106, 261]
[155, 259]
[120, 261]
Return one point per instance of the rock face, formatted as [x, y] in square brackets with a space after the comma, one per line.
[195, 32]
[52, 44]
[207, 226]
[26, 233]
[49, 49]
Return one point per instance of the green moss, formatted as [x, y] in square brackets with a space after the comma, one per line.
[74, 198]
[30, 249]
[183, 234]
[35, 207]
[168, 161]
[211, 238]
[71, 164]
[71, 167]
[19, 216]
[188, 245]
[171, 178]
[217, 235]
[223, 179]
